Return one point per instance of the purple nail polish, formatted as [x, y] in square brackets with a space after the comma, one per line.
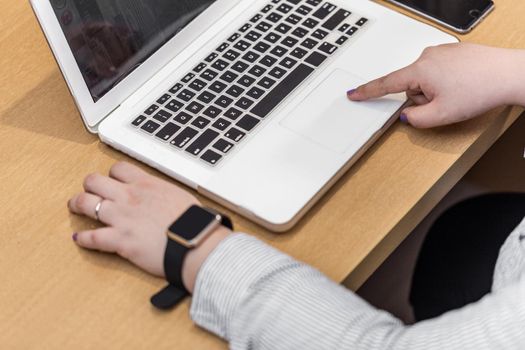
[75, 237]
[350, 92]
[404, 119]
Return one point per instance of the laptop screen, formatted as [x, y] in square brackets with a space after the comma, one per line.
[111, 38]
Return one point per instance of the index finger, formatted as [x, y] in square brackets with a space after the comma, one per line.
[398, 81]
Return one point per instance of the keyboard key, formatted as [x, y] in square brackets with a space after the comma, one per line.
[206, 97]
[218, 87]
[245, 27]
[195, 107]
[246, 81]
[266, 82]
[300, 32]
[299, 53]
[197, 85]
[211, 57]
[283, 28]
[310, 23]
[188, 78]
[255, 93]
[293, 19]
[174, 105]
[284, 8]
[352, 31]
[268, 61]
[362, 21]
[212, 112]
[234, 37]
[278, 51]
[163, 99]
[211, 157]
[221, 124]
[289, 41]
[288, 62]
[223, 146]
[138, 121]
[324, 11]
[336, 19]
[341, 40]
[235, 91]
[223, 47]
[233, 113]
[256, 18]
[267, 9]
[253, 36]
[251, 56]
[183, 118]
[344, 27]
[203, 141]
[304, 10]
[231, 55]
[320, 34]
[309, 43]
[182, 139]
[313, 2]
[274, 17]
[168, 131]
[248, 123]
[235, 134]
[257, 70]
[282, 90]
[327, 48]
[244, 103]
[261, 47]
[277, 73]
[242, 45]
[200, 67]
[186, 95]
[209, 75]
[316, 59]
[272, 38]
[176, 88]
[295, 2]
[240, 66]
[150, 126]
[200, 122]
[220, 65]
[151, 109]
[229, 76]
[162, 116]
[263, 26]
[224, 102]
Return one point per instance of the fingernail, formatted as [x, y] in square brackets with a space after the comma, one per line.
[351, 92]
[75, 237]
[404, 119]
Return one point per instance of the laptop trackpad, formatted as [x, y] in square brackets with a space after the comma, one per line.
[328, 118]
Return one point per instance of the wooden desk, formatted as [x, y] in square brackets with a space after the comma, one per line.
[55, 296]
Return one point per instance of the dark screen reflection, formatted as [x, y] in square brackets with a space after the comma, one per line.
[111, 38]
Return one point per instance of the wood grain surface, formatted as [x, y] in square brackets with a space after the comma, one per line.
[56, 296]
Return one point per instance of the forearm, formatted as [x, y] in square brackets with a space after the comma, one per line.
[509, 75]
[258, 298]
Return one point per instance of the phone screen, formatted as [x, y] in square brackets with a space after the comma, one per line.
[461, 14]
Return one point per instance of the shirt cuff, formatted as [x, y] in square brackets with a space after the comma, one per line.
[227, 276]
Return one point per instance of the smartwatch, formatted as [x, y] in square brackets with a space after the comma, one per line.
[187, 233]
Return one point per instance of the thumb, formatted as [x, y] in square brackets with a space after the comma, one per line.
[423, 116]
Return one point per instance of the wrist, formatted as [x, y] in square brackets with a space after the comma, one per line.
[512, 77]
[196, 257]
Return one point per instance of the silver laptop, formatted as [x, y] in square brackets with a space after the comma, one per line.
[242, 100]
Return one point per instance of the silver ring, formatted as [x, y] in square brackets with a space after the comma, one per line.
[97, 210]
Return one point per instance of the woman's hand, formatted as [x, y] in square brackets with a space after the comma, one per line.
[452, 83]
[137, 208]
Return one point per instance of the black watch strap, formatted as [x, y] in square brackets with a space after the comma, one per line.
[174, 256]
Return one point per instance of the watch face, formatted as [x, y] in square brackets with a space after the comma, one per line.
[192, 223]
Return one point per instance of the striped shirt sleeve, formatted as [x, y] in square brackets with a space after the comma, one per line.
[258, 298]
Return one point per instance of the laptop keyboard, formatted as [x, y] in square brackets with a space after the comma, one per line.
[225, 97]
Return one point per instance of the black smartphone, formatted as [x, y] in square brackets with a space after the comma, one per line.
[458, 15]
